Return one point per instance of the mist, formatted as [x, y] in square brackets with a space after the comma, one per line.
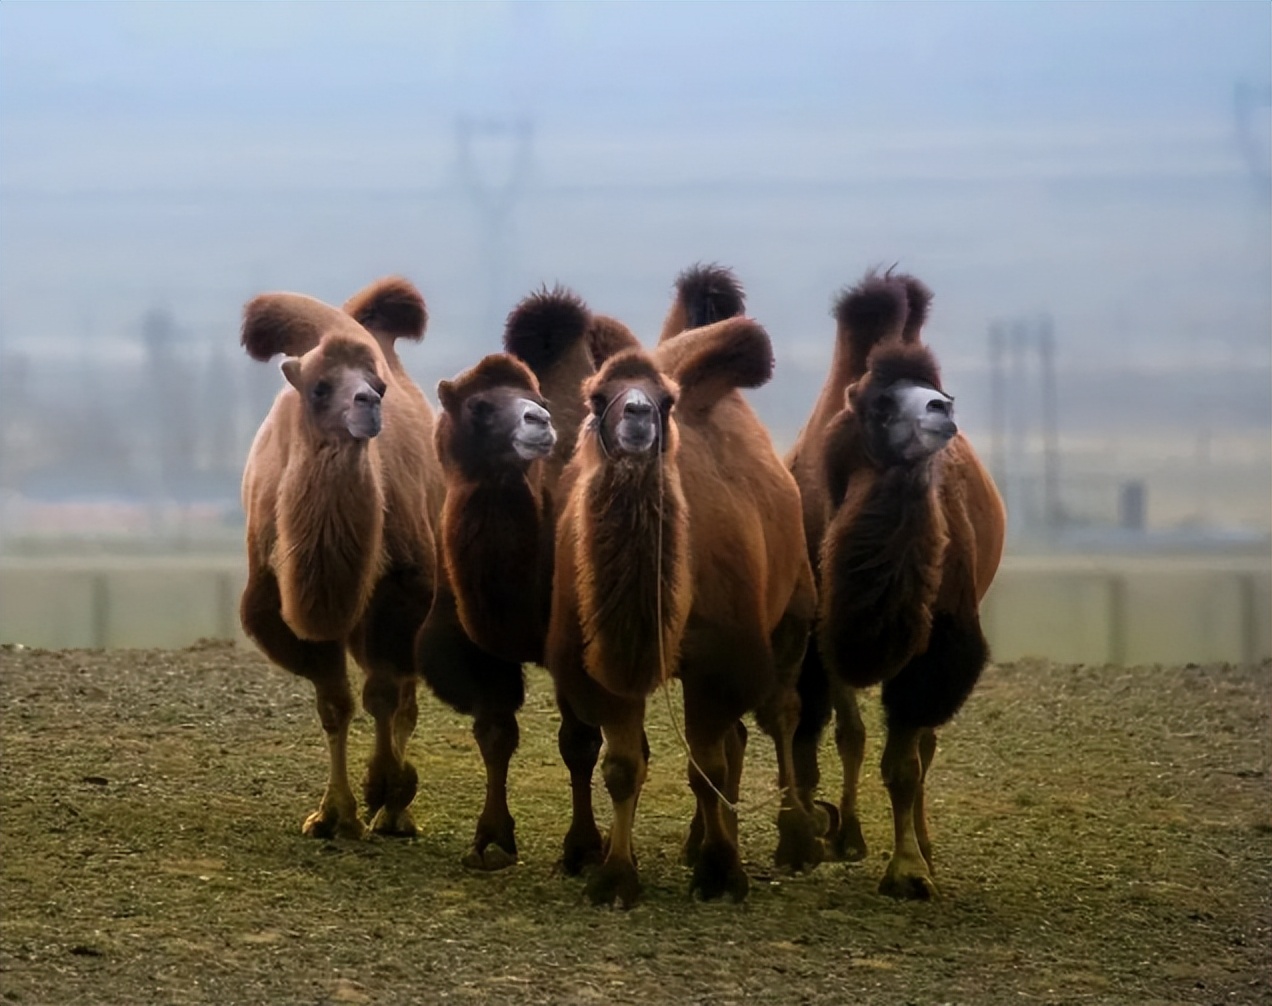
[1098, 171]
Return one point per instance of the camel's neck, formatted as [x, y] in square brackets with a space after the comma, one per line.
[495, 543]
[881, 563]
[331, 529]
[633, 571]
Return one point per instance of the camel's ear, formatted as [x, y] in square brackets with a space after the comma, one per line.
[851, 394]
[291, 370]
[448, 396]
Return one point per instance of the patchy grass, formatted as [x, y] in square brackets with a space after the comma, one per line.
[1102, 834]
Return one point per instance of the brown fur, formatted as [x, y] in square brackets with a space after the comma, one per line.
[493, 522]
[705, 294]
[339, 531]
[733, 571]
[496, 540]
[904, 552]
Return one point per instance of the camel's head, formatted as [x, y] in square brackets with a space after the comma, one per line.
[904, 415]
[494, 417]
[631, 402]
[340, 385]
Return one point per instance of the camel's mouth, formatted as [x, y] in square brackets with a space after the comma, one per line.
[924, 421]
[533, 437]
[364, 422]
[638, 424]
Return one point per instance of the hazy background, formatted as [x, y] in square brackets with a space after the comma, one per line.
[1101, 168]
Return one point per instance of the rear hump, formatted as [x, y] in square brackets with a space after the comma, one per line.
[705, 294]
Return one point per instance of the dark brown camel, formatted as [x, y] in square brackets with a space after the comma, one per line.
[678, 553]
[490, 614]
[339, 490]
[909, 531]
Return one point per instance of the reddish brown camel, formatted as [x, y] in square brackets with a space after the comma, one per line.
[495, 440]
[908, 530]
[678, 553]
[339, 489]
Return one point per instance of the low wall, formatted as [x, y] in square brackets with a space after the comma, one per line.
[1068, 608]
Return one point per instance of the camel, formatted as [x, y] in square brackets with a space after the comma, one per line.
[489, 616]
[340, 490]
[679, 552]
[906, 530]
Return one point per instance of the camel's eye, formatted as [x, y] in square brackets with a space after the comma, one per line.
[884, 406]
[665, 403]
[320, 391]
[377, 385]
[598, 402]
[480, 409]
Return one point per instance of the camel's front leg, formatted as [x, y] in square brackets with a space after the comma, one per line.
[391, 780]
[495, 842]
[624, 770]
[734, 756]
[798, 844]
[324, 665]
[908, 874]
[850, 741]
[718, 868]
[580, 747]
[927, 750]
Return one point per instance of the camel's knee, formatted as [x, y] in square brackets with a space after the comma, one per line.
[580, 746]
[335, 709]
[381, 696]
[622, 777]
[497, 737]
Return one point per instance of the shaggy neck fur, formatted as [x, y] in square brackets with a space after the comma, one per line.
[492, 548]
[330, 514]
[622, 576]
[881, 565]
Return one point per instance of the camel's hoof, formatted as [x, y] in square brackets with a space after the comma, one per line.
[850, 843]
[907, 881]
[387, 784]
[719, 872]
[798, 845]
[615, 881]
[490, 859]
[394, 824]
[326, 823]
[582, 848]
[825, 818]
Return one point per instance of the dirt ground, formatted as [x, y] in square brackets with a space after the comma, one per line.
[1102, 835]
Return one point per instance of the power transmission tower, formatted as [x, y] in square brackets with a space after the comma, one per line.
[1013, 417]
[494, 194]
[1249, 103]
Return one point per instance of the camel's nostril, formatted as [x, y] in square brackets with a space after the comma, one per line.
[367, 398]
[638, 410]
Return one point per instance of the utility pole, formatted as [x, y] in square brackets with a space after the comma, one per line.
[494, 197]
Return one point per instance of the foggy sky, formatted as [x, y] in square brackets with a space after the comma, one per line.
[1081, 159]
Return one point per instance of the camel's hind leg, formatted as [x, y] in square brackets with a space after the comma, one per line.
[624, 770]
[799, 845]
[324, 665]
[850, 741]
[383, 645]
